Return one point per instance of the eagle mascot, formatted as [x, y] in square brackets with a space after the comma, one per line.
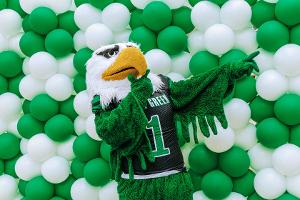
[141, 114]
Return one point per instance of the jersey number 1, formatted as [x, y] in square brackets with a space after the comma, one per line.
[160, 149]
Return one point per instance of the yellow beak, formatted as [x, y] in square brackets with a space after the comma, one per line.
[130, 61]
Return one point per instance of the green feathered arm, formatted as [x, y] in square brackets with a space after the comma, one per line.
[200, 98]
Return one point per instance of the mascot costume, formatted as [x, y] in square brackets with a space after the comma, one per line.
[138, 113]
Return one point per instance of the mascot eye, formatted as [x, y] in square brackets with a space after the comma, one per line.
[108, 53]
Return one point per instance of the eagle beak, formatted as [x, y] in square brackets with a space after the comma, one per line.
[129, 61]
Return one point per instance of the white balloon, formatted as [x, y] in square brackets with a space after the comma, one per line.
[61, 7]
[92, 34]
[30, 5]
[79, 125]
[65, 149]
[25, 66]
[116, 16]
[246, 138]
[235, 196]
[23, 145]
[3, 126]
[40, 147]
[30, 87]
[56, 170]
[86, 15]
[287, 60]
[10, 106]
[79, 40]
[42, 65]
[3, 43]
[174, 4]
[264, 61]
[26, 168]
[180, 64]
[141, 4]
[82, 104]
[199, 195]
[12, 127]
[269, 80]
[269, 184]
[205, 14]
[10, 22]
[81, 190]
[186, 150]
[109, 191]
[236, 14]
[293, 185]
[122, 36]
[221, 142]
[159, 62]
[175, 76]
[66, 67]
[294, 85]
[196, 42]
[59, 87]
[271, 1]
[14, 44]
[246, 40]
[219, 39]
[8, 187]
[260, 157]
[238, 113]
[286, 160]
[91, 128]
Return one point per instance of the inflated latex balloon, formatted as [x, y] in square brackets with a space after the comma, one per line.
[141, 4]
[287, 11]
[26, 168]
[269, 184]
[199, 195]
[66, 21]
[30, 5]
[81, 190]
[271, 1]
[63, 189]
[261, 109]
[293, 185]
[245, 89]
[175, 76]
[39, 187]
[244, 184]
[3, 42]
[65, 66]
[10, 22]
[246, 138]
[54, 89]
[196, 42]
[246, 40]
[158, 61]
[31, 43]
[175, 4]
[65, 149]
[29, 126]
[236, 14]
[10, 146]
[14, 42]
[182, 19]
[202, 62]
[85, 148]
[10, 106]
[180, 64]
[260, 157]
[295, 35]
[235, 196]
[219, 39]
[92, 33]
[116, 16]
[82, 105]
[264, 61]
[91, 129]
[59, 128]
[42, 20]
[97, 177]
[61, 7]
[11, 59]
[100, 4]
[40, 147]
[294, 85]
[79, 125]
[232, 56]
[145, 37]
[77, 168]
[262, 12]
[42, 65]
[287, 60]
[8, 187]
[295, 135]
[205, 14]
[86, 15]
[66, 108]
[269, 80]
[123, 36]
[79, 40]
[80, 59]
[3, 126]
[55, 170]
[109, 191]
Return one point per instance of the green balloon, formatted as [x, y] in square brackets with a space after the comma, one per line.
[22, 186]
[10, 64]
[25, 24]
[54, 41]
[251, 2]
[172, 40]
[232, 56]
[145, 37]
[136, 19]
[80, 2]
[245, 184]
[216, 185]
[101, 4]
[26, 106]
[203, 61]
[194, 2]
[3, 4]
[272, 35]
[287, 109]
[9, 146]
[295, 35]
[245, 89]
[255, 196]
[262, 12]
[218, 2]
[13, 84]
[261, 109]
[157, 15]
[105, 150]
[202, 160]
[43, 107]
[3, 85]
[287, 196]
[235, 162]
[295, 135]
[39, 189]
[31, 43]
[57, 198]
[43, 20]
[126, 3]
[80, 58]
[66, 21]
[79, 83]
[64, 189]
[97, 172]
[287, 11]
[15, 5]
[59, 128]
[67, 108]
[196, 180]
[182, 19]
[77, 168]
[1, 167]
[272, 133]
[10, 166]
[85, 148]
[28, 126]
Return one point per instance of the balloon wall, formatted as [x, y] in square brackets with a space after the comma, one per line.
[49, 148]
